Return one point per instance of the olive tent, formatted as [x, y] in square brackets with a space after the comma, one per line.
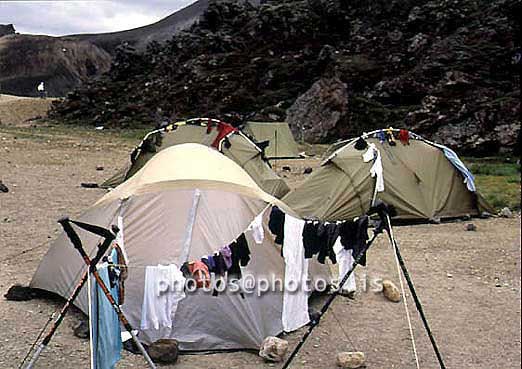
[175, 210]
[281, 143]
[210, 132]
[421, 179]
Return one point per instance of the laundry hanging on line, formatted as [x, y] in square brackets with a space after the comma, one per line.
[163, 290]
[345, 263]
[319, 238]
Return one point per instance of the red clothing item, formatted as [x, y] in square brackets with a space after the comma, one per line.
[200, 272]
[404, 137]
[223, 130]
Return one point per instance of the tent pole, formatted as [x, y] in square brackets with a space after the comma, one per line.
[92, 267]
[418, 304]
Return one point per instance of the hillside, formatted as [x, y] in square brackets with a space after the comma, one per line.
[26, 60]
[443, 68]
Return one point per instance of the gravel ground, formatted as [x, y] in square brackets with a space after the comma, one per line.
[469, 282]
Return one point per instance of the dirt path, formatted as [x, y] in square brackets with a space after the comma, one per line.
[469, 282]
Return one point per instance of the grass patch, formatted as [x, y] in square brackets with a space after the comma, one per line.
[63, 132]
[498, 180]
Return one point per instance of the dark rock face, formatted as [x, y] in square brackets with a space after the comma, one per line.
[450, 70]
[320, 112]
[7, 29]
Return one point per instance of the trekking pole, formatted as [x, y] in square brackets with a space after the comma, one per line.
[418, 304]
[332, 297]
[78, 246]
[102, 249]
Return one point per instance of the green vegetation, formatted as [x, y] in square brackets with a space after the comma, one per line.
[54, 131]
[498, 180]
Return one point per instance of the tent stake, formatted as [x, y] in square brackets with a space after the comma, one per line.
[418, 304]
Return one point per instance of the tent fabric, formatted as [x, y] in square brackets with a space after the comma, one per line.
[281, 141]
[235, 145]
[419, 181]
[156, 206]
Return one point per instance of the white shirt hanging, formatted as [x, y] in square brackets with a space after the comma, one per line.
[345, 262]
[256, 228]
[295, 297]
[376, 170]
[164, 289]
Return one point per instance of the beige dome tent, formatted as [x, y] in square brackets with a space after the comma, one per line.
[421, 179]
[281, 141]
[210, 132]
[175, 210]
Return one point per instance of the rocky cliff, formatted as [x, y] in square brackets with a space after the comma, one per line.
[448, 69]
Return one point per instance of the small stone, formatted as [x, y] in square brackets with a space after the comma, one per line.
[471, 227]
[350, 360]
[164, 351]
[3, 187]
[308, 170]
[506, 213]
[99, 167]
[286, 168]
[273, 349]
[390, 291]
[449, 275]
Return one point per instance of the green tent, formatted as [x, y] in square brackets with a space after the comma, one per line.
[421, 179]
[281, 141]
[210, 132]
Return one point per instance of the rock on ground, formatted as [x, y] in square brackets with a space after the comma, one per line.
[390, 291]
[350, 360]
[273, 349]
[164, 351]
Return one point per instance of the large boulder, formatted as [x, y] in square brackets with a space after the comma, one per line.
[319, 113]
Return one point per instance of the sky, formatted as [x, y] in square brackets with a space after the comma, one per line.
[65, 17]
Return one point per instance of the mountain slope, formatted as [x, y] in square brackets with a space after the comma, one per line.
[26, 60]
[139, 37]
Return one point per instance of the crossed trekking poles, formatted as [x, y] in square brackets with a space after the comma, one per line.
[109, 236]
